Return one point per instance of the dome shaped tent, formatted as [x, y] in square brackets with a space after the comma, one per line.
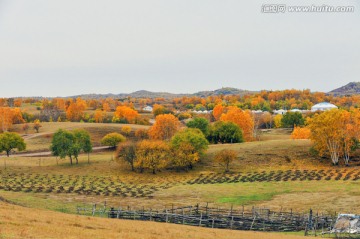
[323, 106]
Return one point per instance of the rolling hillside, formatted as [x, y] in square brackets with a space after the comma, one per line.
[21, 222]
[352, 88]
[150, 94]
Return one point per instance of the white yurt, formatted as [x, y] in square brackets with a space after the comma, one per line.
[323, 106]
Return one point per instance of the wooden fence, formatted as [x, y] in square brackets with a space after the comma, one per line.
[257, 219]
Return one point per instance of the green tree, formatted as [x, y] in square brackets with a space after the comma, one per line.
[225, 132]
[10, 141]
[126, 152]
[184, 156]
[62, 143]
[200, 123]
[83, 141]
[112, 139]
[194, 137]
[71, 144]
[292, 119]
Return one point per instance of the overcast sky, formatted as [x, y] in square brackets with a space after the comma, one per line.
[67, 47]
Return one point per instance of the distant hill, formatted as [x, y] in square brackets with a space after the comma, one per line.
[352, 88]
[150, 94]
[223, 91]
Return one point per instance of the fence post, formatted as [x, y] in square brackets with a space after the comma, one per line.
[166, 216]
[183, 218]
[252, 224]
[104, 207]
[309, 224]
[118, 213]
[94, 209]
[200, 219]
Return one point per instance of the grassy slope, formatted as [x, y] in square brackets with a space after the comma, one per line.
[20, 222]
[42, 140]
[275, 152]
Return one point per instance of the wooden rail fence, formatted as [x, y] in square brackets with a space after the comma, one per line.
[257, 219]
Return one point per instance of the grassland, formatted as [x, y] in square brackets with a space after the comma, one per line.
[20, 222]
[276, 173]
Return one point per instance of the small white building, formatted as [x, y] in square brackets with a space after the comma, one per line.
[280, 112]
[201, 111]
[323, 106]
[148, 108]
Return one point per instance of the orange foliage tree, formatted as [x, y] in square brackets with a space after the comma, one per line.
[218, 111]
[75, 111]
[106, 107]
[9, 116]
[165, 127]
[242, 118]
[300, 133]
[18, 102]
[99, 116]
[125, 113]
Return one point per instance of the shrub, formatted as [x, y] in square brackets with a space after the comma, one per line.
[112, 139]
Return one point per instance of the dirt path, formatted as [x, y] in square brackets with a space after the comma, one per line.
[48, 153]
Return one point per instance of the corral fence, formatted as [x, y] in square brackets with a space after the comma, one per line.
[257, 219]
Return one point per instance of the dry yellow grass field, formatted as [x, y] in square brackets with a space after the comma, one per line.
[19, 222]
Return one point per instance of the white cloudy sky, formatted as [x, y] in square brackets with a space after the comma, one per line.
[66, 47]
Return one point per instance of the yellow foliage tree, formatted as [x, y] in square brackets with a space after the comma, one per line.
[141, 134]
[300, 133]
[225, 157]
[153, 155]
[126, 130]
[332, 133]
[37, 125]
[277, 121]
